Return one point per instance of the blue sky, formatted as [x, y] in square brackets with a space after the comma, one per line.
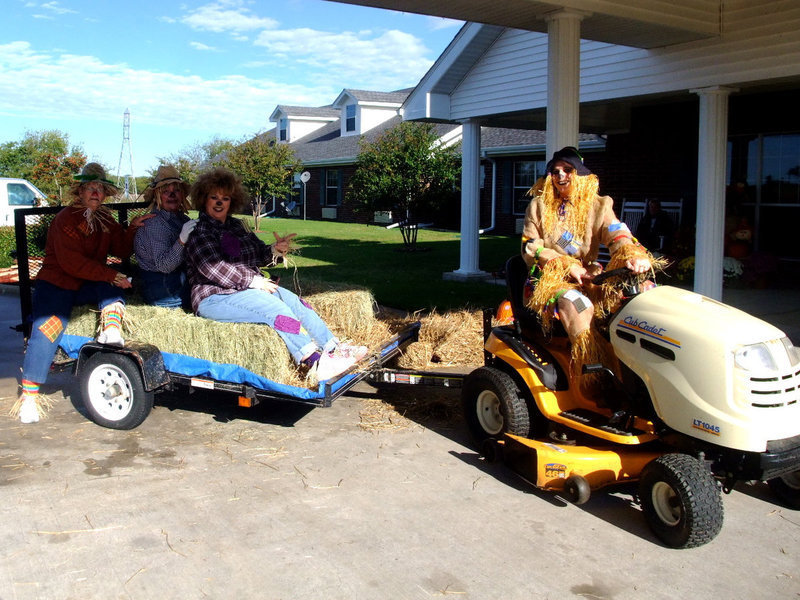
[192, 71]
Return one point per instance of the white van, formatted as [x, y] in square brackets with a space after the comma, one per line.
[17, 193]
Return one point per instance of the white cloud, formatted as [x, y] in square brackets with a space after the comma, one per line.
[437, 23]
[351, 59]
[224, 16]
[204, 47]
[57, 9]
[70, 86]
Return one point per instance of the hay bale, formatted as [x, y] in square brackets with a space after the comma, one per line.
[446, 340]
[255, 347]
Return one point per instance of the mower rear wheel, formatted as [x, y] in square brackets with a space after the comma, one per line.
[493, 405]
[787, 489]
[681, 501]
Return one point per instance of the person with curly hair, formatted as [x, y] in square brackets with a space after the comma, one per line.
[224, 260]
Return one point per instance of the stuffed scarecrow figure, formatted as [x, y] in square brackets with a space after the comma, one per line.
[565, 223]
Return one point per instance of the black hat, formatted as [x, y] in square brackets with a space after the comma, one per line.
[571, 155]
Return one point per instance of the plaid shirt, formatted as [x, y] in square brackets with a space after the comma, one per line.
[222, 258]
[156, 243]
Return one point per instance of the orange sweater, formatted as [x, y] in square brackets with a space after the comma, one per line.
[73, 254]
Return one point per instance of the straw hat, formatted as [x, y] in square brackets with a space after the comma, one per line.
[165, 175]
[94, 172]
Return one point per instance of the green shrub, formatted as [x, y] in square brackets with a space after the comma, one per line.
[7, 246]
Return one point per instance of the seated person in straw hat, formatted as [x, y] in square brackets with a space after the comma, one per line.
[223, 262]
[75, 271]
[159, 243]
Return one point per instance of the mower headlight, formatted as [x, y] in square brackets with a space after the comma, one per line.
[755, 357]
[792, 350]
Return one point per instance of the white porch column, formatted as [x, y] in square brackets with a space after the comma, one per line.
[711, 164]
[563, 78]
[470, 202]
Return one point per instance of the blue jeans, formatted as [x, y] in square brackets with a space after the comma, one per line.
[52, 307]
[169, 290]
[301, 329]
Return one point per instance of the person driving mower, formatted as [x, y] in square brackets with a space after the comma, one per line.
[565, 223]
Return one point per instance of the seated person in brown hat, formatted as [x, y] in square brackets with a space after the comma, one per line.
[159, 244]
[565, 223]
[74, 272]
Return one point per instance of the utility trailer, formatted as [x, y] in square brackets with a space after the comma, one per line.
[118, 385]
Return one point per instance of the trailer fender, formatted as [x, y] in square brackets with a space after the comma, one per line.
[146, 356]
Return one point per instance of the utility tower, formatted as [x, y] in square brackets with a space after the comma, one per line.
[129, 192]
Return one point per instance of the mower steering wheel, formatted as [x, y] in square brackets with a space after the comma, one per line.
[621, 272]
[630, 281]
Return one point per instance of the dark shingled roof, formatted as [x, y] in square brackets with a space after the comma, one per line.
[396, 97]
[309, 111]
[327, 143]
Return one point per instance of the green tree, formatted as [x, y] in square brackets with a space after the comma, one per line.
[405, 170]
[266, 169]
[194, 159]
[46, 159]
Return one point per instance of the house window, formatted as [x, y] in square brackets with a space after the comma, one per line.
[332, 187]
[350, 114]
[526, 172]
[283, 129]
[763, 187]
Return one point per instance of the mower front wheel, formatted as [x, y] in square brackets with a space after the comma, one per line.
[493, 405]
[681, 501]
[787, 489]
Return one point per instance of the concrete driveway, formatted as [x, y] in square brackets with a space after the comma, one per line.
[205, 500]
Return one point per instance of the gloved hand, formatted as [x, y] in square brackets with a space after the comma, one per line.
[262, 283]
[187, 228]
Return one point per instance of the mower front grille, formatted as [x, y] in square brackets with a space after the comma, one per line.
[775, 392]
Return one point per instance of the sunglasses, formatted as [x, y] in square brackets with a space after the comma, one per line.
[557, 170]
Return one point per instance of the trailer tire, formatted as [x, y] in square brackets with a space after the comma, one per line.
[493, 405]
[787, 489]
[113, 391]
[681, 501]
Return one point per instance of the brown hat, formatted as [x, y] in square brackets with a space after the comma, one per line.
[94, 172]
[165, 175]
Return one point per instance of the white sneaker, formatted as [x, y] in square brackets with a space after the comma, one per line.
[331, 364]
[111, 336]
[28, 412]
[357, 352]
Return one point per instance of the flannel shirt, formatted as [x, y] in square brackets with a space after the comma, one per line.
[223, 258]
[156, 243]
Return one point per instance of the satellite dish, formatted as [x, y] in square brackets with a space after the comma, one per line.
[305, 176]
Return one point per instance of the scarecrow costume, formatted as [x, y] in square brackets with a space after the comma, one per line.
[159, 243]
[565, 223]
[74, 272]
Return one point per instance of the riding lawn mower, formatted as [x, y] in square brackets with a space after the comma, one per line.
[701, 396]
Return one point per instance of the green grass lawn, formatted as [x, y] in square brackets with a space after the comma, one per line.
[374, 257]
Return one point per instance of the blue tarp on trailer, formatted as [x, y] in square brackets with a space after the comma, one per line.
[198, 367]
